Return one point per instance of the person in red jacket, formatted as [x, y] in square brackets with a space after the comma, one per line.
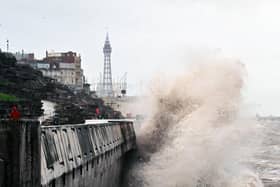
[97, 112]
[14, 115]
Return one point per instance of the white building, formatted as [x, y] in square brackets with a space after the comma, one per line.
[64, 76]
[63, 67]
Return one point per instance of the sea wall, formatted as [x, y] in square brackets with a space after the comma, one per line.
[85, 155]
[82, 155]
[19, 153]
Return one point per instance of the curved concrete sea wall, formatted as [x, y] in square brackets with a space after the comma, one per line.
[85, 155]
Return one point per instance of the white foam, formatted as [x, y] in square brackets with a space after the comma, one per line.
[195, 132]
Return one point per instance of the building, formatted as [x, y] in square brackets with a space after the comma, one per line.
[64, 67]
[21, 56]
[26, 58]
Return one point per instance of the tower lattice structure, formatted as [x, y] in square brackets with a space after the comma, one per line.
[107, 74]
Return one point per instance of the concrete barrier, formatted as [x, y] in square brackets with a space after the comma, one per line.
[19, 153]
[83, 155]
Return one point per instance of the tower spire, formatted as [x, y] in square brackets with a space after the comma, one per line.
[107, 74]
[107, 37]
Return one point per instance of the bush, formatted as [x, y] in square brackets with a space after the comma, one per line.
[7, 97]
[7, 58]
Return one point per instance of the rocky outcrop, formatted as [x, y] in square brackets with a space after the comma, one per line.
[29, 86]
[22, 82]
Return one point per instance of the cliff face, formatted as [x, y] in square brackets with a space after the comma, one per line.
[25, 87]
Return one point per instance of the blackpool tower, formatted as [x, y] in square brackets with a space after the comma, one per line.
[107, 87]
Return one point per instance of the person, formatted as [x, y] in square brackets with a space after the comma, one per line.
[14, 115]
[97, 112]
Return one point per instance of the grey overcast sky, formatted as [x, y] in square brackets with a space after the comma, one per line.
[153, 35]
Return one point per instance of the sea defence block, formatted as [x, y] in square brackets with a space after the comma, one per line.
[20, 153]
[81, 155]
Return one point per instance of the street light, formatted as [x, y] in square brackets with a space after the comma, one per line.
[0, 28]
[7, 45]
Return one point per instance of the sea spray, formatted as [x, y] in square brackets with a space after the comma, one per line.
[195, 135]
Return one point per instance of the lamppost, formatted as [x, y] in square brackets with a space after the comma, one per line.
[0, 28]
[7, 45]
[7, 41]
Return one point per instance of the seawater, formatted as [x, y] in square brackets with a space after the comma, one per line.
[198, 133]
[267, 159]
